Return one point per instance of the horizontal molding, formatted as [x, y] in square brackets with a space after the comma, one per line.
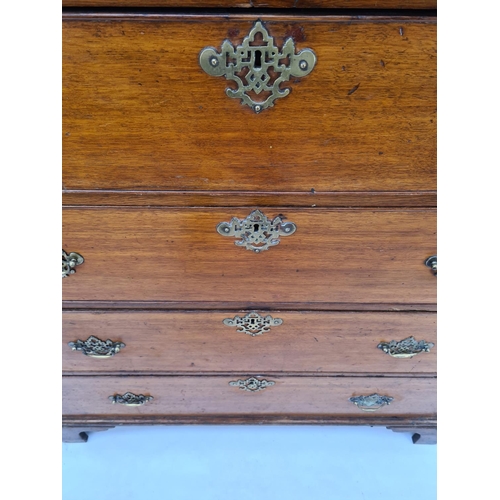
[88, 422]
[124, 310]
[191, 15]
[238, 306]
[247, 198]
[267, 373]
[223, 15]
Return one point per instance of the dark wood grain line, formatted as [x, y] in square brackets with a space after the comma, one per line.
[268, 373]
[241, 199]
[238, 306]
[197, 17]
[263, 4]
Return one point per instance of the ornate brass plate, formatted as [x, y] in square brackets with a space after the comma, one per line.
[257, 232]
[252, 384]
[129, 399]
[253, 323]
[69, 262]
[406, 348]
[372, 402]
[258, 67]
[97, 348]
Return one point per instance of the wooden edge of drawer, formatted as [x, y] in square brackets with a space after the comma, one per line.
[427, 16]
[70, 305]
[248, 4]
[91, 421]
[244, 199]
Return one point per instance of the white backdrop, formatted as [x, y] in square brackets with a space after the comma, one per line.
[249, 463]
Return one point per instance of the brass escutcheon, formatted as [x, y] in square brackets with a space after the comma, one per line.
[69, 262]
[432, 262]
[256, 66]
[253, 323]
[130, 399]
[252, 384]
[257, 232]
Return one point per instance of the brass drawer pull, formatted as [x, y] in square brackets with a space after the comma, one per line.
[406, 348]
[97, 348]
[257, 232]
[253, 323]
[248, 66]
[372, 402]
[252, 384]
[69, 262]
[432, 262]
[129, 399]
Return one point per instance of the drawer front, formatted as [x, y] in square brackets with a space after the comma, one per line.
[215, 396]
[139, 113]
[194, 342]
[173, 255]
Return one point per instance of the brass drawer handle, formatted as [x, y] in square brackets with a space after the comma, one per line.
[257, 232]
[248, 66]
[432, 262]
[69, 262]
[372, 402]
[97, 348]
[406, 348]
[129, 399]
[253, 323]
[252, 384]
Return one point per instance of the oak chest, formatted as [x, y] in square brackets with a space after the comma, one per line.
[249, 219]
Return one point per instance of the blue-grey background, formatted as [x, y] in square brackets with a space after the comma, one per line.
[249, 463]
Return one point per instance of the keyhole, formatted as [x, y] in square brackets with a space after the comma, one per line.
[252, 321]
[256, 228]
[258, 62]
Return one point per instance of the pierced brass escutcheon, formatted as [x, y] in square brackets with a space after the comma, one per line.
[432, 262]
[129, 399]
[372, 402]
[406, 348]
[257, 65]
[257, 232]
[253, 323]
[97, 348]
[252, 384]
[69, 262]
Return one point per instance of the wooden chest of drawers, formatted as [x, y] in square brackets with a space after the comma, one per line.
[249, 212]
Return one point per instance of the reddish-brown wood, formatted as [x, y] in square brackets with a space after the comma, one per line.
[140, 114]
[299, 4]
[147, 136]
[198, 342]
[212, 395]
[343, 256]
[228, 199]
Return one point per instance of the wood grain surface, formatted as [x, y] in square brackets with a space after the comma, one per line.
[139, 113]
[212, 395]
[199, 342]
[297, 4]
[335, 255]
